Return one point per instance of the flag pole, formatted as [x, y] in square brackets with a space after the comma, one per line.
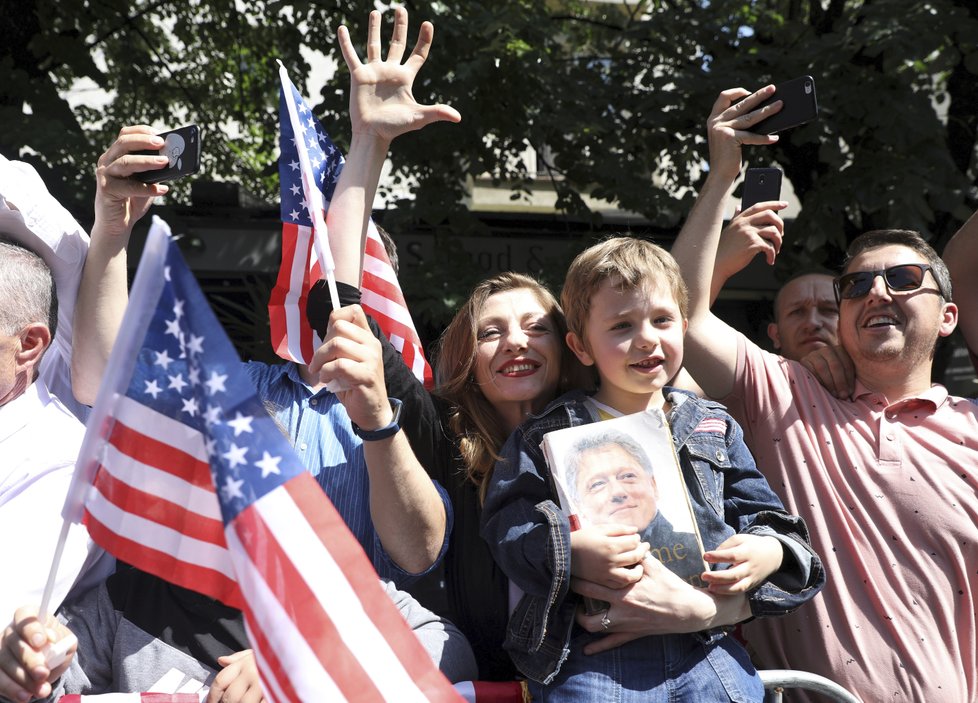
[42, 612]
[313, 196]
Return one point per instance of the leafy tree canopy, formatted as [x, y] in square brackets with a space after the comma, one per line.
[617, 93]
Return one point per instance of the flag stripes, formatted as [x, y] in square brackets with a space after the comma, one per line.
[309, 167]
[177, 487]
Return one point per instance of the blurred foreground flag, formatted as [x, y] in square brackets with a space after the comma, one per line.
[309, 167]
[183, 474]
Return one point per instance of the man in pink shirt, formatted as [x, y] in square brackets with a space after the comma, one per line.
[886, 480]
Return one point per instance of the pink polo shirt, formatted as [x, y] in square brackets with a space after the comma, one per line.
[889, 494]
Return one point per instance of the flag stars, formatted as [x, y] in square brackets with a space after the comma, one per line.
[235, 455]
[166, 273]
[163, 359]
[195, 345]
[294, 214]
[190, 407]
[177, 383]
[268, 464]
[153, 388]
[215, 384]
[294, 165]
[193, 375]
[241, 423]
[232, 489]
[173, 327]
[210, 446]
[295, 189]
[211, 415]
[178, 309]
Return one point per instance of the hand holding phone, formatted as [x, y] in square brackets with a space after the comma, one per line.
[760, 185]
[800, 106]
[182, 148]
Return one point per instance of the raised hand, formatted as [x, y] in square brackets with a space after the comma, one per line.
[120, 200]
[351, 361]
[381, 101]
[728, 127]
[757, 230]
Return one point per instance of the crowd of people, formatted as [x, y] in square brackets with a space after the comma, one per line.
[834, 488]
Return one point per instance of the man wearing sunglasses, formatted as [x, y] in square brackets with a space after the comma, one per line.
[885, 479]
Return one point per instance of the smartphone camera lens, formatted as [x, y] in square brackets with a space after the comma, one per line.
[808, 87]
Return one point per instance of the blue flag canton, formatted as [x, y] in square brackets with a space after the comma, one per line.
[325, 159]
[188, 370]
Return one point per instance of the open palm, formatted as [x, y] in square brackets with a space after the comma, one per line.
[381, 101]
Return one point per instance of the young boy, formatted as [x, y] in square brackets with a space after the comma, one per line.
[625, 303]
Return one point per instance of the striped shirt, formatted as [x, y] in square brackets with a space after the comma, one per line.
[320, 430]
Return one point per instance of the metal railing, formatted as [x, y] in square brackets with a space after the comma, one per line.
[776, 680]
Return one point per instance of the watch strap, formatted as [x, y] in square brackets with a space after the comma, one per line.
[383, 432]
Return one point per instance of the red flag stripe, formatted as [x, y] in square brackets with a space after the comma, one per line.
[159, 537]
[388, 297]
[325, 657]
[274, 675]
[292, 336]
[390, 326]
[159, 510]
[187, 574]
[156, 456]
[375, 603]
[276, 301]
[151, 423]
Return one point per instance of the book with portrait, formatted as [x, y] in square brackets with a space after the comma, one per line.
[625, 470]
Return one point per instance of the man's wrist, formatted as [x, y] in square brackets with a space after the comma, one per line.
[388, 430]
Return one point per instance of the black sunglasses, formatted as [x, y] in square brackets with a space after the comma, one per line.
[901, 279]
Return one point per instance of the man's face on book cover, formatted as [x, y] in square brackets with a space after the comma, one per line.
[614, 488]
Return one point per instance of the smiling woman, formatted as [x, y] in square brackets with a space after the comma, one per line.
[501, 357]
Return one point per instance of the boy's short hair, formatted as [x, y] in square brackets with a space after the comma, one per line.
[631, 262]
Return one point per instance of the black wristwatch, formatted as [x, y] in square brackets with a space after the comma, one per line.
[384, 432]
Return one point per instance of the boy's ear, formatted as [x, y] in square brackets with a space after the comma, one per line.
[579, 348]
[772, 332]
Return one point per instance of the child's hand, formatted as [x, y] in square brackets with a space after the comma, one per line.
[610, 555]
[753, 559]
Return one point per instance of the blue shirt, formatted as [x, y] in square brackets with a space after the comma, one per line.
[320, 430]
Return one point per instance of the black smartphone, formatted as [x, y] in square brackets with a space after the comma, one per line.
[799, 106]
[182, 147]
[760, 185]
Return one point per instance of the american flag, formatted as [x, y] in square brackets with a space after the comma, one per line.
[302, 267]
[184, 474]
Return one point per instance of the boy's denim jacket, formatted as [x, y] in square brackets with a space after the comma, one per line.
[530, 536]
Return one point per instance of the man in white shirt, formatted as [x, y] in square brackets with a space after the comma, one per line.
[39, 436]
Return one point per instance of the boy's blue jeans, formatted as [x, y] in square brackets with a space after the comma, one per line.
[654, 669]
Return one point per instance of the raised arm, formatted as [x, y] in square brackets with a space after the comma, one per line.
[961, 257]
[757, 230]
[382, 107]
[711, 352]
[407, 511]
[103, 293]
